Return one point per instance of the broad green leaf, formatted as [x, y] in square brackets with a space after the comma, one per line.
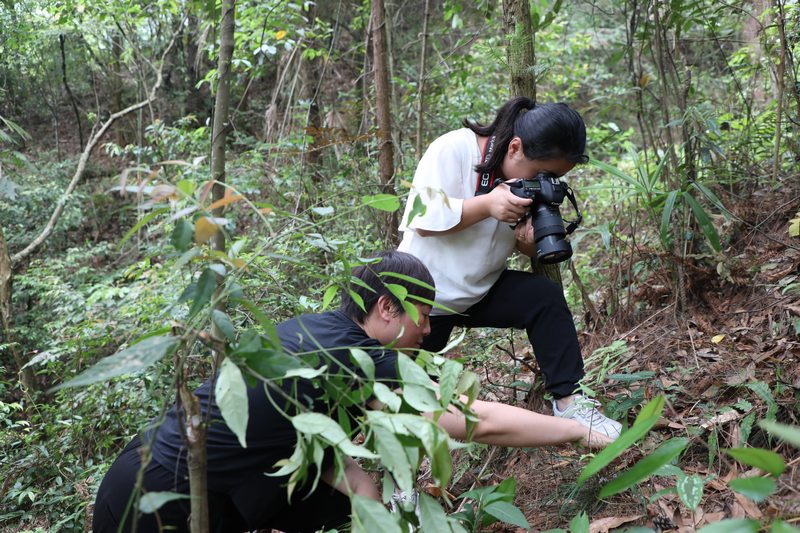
[305, 373]
[647, 418]
[206, 285]
[364, 362]
[230, 391]
[423, 399]
[411, 372]
[128, 361]
[223, 322]
[731, 525]
[370, 516]
[398, 291]
[204, 229]
[712, 198]
[409, 279]
[451, 370]
[766, 460]
[755, 488]
[645, 467]
[690, 490]
[790, 434]
[580, 523]
[508, 513]
[382, 202]
[330, 294]
[411, 310]
[182, 234]
[705, 222]
[394, 458]
[152, 501]
[418, 208]
[432, 517]
[328, 429]
[387, 397]
[779, 526]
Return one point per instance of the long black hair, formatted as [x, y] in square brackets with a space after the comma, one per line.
[548, 131]
[377, 275]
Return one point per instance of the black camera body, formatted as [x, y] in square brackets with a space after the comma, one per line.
[547, 193]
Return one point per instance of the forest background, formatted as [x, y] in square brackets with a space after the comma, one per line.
[170, 189]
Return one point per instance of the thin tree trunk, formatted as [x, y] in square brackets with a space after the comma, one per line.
[421, 81]
[7, 317]
[69, 91]
[780, 75]
[383, 111]
[521, 61]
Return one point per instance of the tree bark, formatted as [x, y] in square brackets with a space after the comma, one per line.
[383, 112]
[7, 317]
[521, 62]
[421, 81]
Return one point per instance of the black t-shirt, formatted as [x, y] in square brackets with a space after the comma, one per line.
[270, 435]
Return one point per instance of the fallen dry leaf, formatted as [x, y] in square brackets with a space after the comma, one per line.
[604, 525]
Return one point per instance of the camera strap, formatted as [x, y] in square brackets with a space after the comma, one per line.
[486, 181]
[573, 225]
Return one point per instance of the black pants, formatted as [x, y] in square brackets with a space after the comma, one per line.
[522, 300]
[324, 508]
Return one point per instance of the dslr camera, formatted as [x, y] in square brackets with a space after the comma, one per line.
[547, 193]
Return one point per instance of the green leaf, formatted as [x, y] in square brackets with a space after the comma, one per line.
[790, 434]
[364, 362]
[580, 523]
[413, 281]
[705, 222]
[139, 225]
[779, 526]
[330, 294]
[128, 361]
[382, 202]
[223, 322]
[644, 468]
[398, 291]
[731, 525]
[755, 488]
[231, 396]
[370, 516]
[666, 216]
[766, 460]
[206, 285]
[387, 397]
[451, 370]
[690, 490]
[394, 458]
[432, 517]
[508, 513]
[182, 234]
[329, 430]
[647, 418]
[418, 208]
[152, 501]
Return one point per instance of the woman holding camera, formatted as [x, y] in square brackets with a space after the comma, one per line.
[458, 222]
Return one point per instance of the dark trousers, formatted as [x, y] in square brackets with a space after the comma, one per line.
[324, 508]
[522, 300]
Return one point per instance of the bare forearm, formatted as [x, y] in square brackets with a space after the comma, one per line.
[505, 425]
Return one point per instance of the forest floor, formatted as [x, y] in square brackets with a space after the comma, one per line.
[736, 335]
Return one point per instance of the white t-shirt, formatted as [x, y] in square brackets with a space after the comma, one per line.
[467, 263]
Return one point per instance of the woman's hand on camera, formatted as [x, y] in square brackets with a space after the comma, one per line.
[524, 232]
[505, 206]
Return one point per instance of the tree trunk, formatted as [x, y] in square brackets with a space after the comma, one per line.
[521, 60]
[7, 317]
[69, 91]
[421, 81]
[520, 51]
[309, 92]
[383, 112]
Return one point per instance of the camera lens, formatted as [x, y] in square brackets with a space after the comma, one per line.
[548, 229]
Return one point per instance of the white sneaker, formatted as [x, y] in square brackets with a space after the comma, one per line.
[584, 411]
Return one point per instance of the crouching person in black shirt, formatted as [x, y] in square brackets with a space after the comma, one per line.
[242, 497]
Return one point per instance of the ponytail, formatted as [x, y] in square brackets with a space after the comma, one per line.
[548, 131]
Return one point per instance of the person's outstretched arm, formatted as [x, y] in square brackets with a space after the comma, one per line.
[506, 425]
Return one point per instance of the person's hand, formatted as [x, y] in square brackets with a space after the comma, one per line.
[524, 232]
[505, 206]
[594, 439]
